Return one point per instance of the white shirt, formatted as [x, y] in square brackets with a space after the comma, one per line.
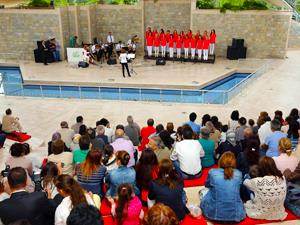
[66, 135]
[63, 210]
[188, 153]
[264, 131]
[119, 46]
[110, 39]
[109, 133]
[123, 57]
[66, 158]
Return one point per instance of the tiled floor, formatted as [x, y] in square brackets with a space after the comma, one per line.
[276, 89]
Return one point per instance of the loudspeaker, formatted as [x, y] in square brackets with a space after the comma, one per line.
[232, 53]
[83, 64]
[39, 45]
[242, 53]
[112, 61]
[237, 43]
[160, 61]
[38, 56]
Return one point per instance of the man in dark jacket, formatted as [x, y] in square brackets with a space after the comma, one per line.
[34, 207]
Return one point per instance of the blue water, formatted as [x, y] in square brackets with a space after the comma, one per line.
[13, 86]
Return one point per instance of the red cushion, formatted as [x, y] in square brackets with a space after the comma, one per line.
[19, 137]
[108, 220]
[199, 181]
[249, 221]
[188, 220]
[105, 208]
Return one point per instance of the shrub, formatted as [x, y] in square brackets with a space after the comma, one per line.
[255, 4]
[206, 4]
[39, 3]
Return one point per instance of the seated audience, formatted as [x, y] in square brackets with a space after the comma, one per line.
[253, 126]
[95, 141]
[224, 130]
[60, 156]
[100, 130]
[75, 143]
[208, 146]
[271, 142]
[55, 136]
[132, 130]
[160, 214]
[229, 145]
[239, 132]
[73, 195]
[85, 214]
[187, 155]
[121, 144]
[10, 123]
[91, 173]
[2, 139]
[222, 202]
[167, 140]
[285, 160]
[66, 133]
[121, 175]
[79, 155]
[48, 174]
[292, 201]
[34, 207]
[269, 192]
[215, 134]
[168, 189]
[82, 130]
[293, 132]
[170, 128]
[249, 156]
[159, 148]
[146, 170]
[205, 118]
[109, 158]
[3, 194]
[79, 122]
[195, 127]
[264, 128]
[108, 130]
[145, 133]
[233, 123]
[127, 210]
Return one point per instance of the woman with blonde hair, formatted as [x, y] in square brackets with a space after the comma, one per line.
[222, 202]
[160, 214]
[285, 160]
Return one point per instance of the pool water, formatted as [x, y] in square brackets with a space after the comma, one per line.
[214, 93]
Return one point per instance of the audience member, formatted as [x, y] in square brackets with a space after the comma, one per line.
[159, 148]
[223, 133]
[205, 118]
[233, 123]
[128, 208]
[100, 130]
[95, 141]
[160, 214]
[239, 132]
[2, 138]
[159, 128]
[82, 130]
[222, 202]
[3, 193]
[121, 175]
[91, 173]
[145, 133]
[264, 129]
[271, 141]
[79, 155]
[48, 174]
[75, 143]
[195, 127]
[278, 116]
[269, 192]
[285, 160]
[170, 128]
[121, 144]
[229, 145]
[10, 123]
[132, 130]
[55, 136]
[168, 189]
[73, 195]
[293, 132]
[167, 140]
[34, 207]
[109, 158]
[294, 114]
[215, 134]
[253, 126]
[84, 214]
[249, 156]
[79, 122]
[59, 155]
[66, 133]
[208, 146]
[217, 124]
[187, 155]
[108, 130]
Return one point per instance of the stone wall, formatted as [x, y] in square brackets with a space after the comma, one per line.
[265, 32]
[168, 14]
[294, 37]
[83, 25]
[20, 29]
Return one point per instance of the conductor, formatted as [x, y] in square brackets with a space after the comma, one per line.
[124, 62]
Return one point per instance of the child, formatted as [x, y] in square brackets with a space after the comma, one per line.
[163, 43]
[171, 46]
[212, 39]
[199, 47]
[186, 45]
[156, 45]
[149, 43]
[128, 208]
[193, 46]
[178, 47]
[205, 48]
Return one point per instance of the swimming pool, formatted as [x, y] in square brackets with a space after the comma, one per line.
[215, 93]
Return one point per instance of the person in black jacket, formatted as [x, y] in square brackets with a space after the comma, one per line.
[33, 207]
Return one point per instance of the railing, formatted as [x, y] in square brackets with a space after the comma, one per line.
[17, 88]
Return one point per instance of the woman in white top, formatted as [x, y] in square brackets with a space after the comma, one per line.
[73, 195]
[269, 191]
[109, 158]
[124, 62]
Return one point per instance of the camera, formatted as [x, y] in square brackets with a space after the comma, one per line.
[5, 172]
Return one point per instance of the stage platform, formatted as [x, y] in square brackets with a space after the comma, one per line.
[174, 75]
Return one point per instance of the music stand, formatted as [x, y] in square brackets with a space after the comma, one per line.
[131, 58]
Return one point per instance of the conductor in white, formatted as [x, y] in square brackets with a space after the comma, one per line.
[124, 62]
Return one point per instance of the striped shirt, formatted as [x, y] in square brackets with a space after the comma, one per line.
[97, 176]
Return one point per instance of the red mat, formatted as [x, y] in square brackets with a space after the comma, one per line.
[19, 137]
[199, 181]
[249, 221]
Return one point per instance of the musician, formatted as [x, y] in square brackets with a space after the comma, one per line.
[186, 45]
[149, 43]
[110, 41]
[212, 39]
[119, 46]
[193, 46]
[124, 62]
[199, 47]
[45, 48]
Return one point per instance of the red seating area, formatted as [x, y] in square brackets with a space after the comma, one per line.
[19, 137]
[201, 180]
